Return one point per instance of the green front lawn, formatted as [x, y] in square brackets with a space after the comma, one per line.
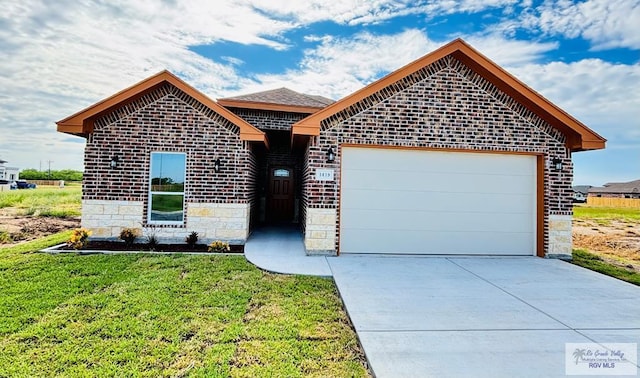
[596, 263]
[45, 201]
[606, 213]
[150, 315]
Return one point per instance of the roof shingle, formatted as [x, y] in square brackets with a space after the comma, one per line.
[282, 96]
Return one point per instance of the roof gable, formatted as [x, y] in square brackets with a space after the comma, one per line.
[281, 99]
[82, 123]
[578, 136]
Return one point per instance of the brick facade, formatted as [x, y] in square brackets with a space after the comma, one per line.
[269, 119]
[168, 120]
[445, 105]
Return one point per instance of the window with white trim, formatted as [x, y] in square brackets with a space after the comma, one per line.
[166, 187]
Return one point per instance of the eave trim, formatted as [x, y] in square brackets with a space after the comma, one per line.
[82, 122]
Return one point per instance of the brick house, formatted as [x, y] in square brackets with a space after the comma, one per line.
[447, 155]
[629, 189]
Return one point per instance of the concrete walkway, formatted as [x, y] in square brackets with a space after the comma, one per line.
[466, 317]
[281, 250]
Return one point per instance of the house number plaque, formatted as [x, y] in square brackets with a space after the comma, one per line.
[324, 174]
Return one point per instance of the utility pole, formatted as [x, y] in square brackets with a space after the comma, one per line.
[49, 174]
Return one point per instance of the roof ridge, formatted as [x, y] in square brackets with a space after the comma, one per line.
[279, 96]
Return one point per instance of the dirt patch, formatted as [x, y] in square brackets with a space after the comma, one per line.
[18, 229]
[614, 240]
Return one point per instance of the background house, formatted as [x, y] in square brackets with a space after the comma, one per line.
[580, 192]
[7, 175]
[629, 189]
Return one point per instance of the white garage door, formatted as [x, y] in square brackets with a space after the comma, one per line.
[432, 202]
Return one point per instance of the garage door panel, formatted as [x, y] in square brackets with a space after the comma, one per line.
[416, 201]
[433, 201]
[395, 220]
[437, 182]
[445, 243]
[433, 161]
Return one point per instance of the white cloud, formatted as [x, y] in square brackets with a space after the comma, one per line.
[595, 92]
[355, 12]
[606, 23]
[339, 66]
[510, 52]
[58, 57]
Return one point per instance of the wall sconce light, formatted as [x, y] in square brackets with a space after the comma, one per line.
[557, 163]
[114, 162]
[216, 165]
[331, 155]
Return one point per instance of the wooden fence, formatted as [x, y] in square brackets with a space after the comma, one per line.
[45, 182]
[633, 203]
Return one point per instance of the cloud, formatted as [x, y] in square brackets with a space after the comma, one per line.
[594, 91]
[605, 23]
[339, 66]
[358, 12]
[510, 52]
[58, 57]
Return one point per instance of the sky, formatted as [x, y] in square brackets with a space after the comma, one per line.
[58, 57]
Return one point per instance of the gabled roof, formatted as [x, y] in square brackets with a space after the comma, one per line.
[282, 99]
[82, 123]
[618, 187]
[579, 136]
[582, 188]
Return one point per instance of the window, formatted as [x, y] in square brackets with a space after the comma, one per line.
[166, 195]
[281, 173]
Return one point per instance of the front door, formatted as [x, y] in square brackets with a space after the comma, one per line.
[280, 201]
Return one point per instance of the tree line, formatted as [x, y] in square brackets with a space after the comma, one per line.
[64, 174]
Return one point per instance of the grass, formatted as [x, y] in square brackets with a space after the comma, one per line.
[596, 263]
[45, 202]
[176, 315]
[606, 213]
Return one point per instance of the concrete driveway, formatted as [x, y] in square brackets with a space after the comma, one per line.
[480, 317]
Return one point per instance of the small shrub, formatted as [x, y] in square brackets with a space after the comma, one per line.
[219, 246]
[151, 238]
[192, 239]
[129, 235]
[79, 238]
[5, 237]
[152, 242]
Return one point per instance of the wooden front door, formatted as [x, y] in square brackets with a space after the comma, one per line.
[281, 198]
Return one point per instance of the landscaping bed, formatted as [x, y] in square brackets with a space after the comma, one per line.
[103, 245]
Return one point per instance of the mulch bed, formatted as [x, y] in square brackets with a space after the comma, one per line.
[120, 246]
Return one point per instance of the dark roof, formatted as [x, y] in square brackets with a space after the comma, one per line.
[282, 96]
[582, 188]
[618, 187]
